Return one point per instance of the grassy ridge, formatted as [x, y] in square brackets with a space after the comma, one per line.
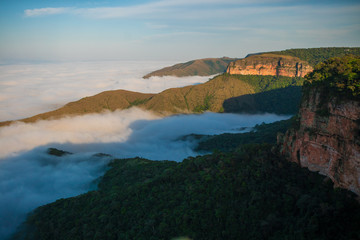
[209, 96]
[199, 67]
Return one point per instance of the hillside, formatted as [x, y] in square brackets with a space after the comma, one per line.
[199, 67]
[316, 55]
[209, 96]
[326, 138]
[108, 100]
[247, 194]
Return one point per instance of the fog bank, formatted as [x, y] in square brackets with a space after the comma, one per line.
[29, 177]
[30, 89]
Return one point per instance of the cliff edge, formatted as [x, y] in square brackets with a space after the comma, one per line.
[327, 136]
[270, 64]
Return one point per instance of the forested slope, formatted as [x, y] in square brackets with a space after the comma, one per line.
[247, 194]
[317, 55]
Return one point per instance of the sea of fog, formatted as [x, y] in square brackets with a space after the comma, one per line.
[29, 89]
[29, 177]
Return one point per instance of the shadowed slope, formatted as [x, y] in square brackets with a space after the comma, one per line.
[279, 101]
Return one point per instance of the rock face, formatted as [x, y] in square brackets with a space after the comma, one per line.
[270, 64]
[327, 139]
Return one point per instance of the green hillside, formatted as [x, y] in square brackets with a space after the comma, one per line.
[199, 67]
[248, 194]
[209, 96]
[338, 76]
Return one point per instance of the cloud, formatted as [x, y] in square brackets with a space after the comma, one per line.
[114, 131]
[146, 9]
[45, 11]
[29, 177]
[30, 89]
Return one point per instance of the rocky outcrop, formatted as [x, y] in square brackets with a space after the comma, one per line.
[327, 138]
[270, 64]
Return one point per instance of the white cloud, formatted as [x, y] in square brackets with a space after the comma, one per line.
[46, 11]
[111, 132]
[151, 8]
[30, 89]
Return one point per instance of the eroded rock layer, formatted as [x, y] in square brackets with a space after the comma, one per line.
[270, 64]
[327, 139]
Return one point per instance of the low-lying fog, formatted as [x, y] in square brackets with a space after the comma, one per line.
[29, 89]
[29, 177]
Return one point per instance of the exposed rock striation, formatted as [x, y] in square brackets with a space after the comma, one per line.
[270, 64]
[327, 138]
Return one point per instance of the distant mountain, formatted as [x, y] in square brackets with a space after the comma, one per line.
[315, 55]
[199, 67]
[210, 66]
[209, 96]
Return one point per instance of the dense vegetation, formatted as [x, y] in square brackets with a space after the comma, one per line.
[315, 56]
[340, 76]
[262, 83]
[248, 194]
[227, 142]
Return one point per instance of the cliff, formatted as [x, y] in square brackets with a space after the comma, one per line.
[327, 138]
[198, 67]
[270, 64]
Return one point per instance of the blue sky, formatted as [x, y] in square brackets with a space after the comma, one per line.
[62, 30]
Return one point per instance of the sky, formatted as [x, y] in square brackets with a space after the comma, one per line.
[63, 30]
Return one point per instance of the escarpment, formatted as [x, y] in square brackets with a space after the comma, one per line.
[327, 138]
[270, 64]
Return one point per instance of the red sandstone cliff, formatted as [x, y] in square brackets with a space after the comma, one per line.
[270, 64]
[327, 139]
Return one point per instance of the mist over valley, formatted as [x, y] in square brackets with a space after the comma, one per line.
[169, 119]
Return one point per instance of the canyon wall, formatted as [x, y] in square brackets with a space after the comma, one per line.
[327, 138]
[270, 64]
